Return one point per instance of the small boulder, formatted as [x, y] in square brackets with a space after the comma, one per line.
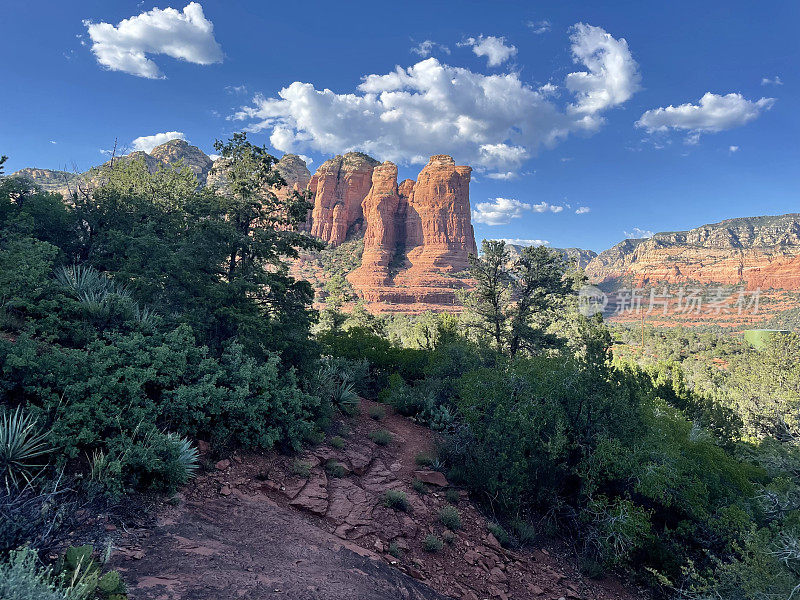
[431, 478]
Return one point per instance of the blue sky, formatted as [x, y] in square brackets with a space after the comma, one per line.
[638, 116]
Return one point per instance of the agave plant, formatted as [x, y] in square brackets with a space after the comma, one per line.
[89, 285]
[188, 456]
[21, 444]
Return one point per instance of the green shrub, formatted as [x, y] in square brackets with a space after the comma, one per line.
[22, 578]
[337, 442]
[432, 544]
[335, 469]
[382, 437]
[119, 394]
[301, 468]
[377, 412]
[452, 496]
[188, 456]
[450, 518]
[500, 534]
[419, 486]
[397, 500]
[77, 565]
[423, 459]
[395, 550]
[524, 531]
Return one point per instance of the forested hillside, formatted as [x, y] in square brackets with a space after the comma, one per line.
[150, 319]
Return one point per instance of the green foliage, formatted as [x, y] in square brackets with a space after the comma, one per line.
[188, 455]
[397, 500]
[500, 534]
[377, 412]
[450, 517]
[337, 442]
[382, 437]
[452, 496]
[21, 446]
[423, 459]
[523, 531]
[77, 565]
[419, 486]
[335, 469]
[514, 301]
[394, 550]
[148, 312]
[22, 577]
[432, 544]
[333, 383]
[359, 343]
[301, 468]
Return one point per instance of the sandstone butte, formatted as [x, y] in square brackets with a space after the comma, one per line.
[417, 235]
[755, 252]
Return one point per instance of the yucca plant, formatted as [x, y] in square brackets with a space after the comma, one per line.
[188, 456]
[21, 446]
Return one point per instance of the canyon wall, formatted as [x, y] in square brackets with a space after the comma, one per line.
[756, 252]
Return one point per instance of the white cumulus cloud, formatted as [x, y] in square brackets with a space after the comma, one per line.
[185, 35]
[582, 210]
[499, 211]
[494, 122]
[733, 149]
[612, 75]
[493, 48]
[713, 113]
[543, 207]
[146, 143]
[638, 233]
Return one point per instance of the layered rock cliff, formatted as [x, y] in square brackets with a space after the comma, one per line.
[339, 187]
[418, 235]
[757, 252]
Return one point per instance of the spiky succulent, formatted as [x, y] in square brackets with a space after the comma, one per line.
[22, 446]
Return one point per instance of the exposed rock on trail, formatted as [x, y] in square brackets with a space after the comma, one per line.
[317, 526]
[248, 547]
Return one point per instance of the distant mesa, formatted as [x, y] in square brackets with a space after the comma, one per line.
[755, 252]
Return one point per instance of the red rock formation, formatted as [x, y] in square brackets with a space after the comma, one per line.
[756, 252]
[423, 229]
[382, 212]
[339, 186]
[294, 171]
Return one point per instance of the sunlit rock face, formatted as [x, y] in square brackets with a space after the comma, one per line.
[418, 236]
[757, 252]
[339, 187]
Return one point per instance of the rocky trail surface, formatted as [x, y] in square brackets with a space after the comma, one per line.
[317, 527]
